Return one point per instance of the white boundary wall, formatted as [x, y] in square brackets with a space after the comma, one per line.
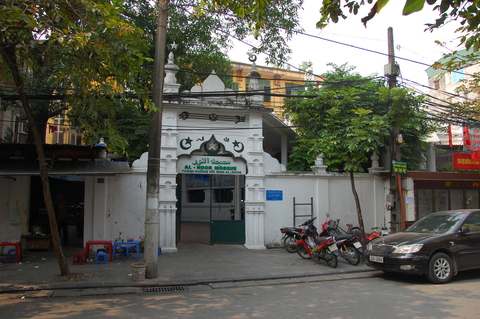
[119, 202]
[331, 194]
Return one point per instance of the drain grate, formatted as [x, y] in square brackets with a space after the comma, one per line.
[165, 289]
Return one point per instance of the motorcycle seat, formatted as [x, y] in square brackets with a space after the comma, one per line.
[342, 237]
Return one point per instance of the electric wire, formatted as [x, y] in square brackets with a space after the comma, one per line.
[283, 62]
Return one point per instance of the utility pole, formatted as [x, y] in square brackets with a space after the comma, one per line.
[152, 218]
[397, 210]
[391, 71]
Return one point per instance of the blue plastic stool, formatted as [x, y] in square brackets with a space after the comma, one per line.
[125, 251]
[159, 250]
[11, 253]
[101, 258]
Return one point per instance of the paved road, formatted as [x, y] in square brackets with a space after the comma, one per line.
[329, 296]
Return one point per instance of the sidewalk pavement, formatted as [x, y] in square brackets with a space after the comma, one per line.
[191, 265]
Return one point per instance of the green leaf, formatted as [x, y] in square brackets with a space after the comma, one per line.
[380, 4]
[412, 6]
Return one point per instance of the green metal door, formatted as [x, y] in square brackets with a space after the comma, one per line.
[227, 231]
[227, 220]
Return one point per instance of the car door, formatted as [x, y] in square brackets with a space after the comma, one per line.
[468, 243]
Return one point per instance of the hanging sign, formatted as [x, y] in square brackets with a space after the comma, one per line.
[399, 167]
[211, 165]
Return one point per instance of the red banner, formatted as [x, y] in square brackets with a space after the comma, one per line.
[450, 136]
[471, 138]
[464, 161]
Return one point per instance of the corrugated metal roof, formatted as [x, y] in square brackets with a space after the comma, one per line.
[16, 167]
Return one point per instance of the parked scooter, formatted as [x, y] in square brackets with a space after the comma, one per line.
[375, 234]
[321, 247]
[349, 248]
[290, 237]
[349, 245]
[293, 234]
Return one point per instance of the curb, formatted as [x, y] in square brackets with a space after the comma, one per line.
[178, 283]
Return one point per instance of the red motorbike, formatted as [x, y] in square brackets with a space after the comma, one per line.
[320, 247]
[349, 246]
[375, 234]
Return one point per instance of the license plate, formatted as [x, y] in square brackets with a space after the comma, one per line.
[376, 259]
[357, 244]
[333, 247]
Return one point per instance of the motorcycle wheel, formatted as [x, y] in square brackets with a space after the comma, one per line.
[302, 252]
[290, 244]
[330, 258]
[352, 255]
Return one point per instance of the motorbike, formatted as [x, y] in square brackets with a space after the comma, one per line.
[290, 237]
[313, 246]
[349, 245]
[375, 234]
[293, 234]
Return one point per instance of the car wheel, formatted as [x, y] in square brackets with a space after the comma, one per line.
[440, 269]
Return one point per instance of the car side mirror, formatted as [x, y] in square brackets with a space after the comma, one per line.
[464, 230]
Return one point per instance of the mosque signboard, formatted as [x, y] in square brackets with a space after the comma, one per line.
[211, 165]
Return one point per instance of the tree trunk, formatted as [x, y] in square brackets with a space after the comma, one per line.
[359, 209]
[9, 55]
[41, 123]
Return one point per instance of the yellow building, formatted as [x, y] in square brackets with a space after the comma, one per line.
[277, 83]
[61, 131]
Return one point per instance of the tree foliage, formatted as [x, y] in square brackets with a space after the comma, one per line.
[95, 98]
[351, 117]
[205, 31]
[82, 49]
[346, 100]
[203, 34]
[464, 11]
[254, 11]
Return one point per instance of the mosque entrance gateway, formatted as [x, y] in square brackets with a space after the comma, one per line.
[212, 184]
[212, 210]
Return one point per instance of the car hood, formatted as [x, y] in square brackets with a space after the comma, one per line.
[403, 238]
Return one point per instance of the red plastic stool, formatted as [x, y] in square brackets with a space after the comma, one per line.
[79, 259]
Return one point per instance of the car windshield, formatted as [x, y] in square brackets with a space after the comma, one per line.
[438, 224]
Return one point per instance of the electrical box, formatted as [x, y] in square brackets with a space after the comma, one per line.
[391, 69]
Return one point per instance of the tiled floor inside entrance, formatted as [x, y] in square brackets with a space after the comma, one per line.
[194, 233]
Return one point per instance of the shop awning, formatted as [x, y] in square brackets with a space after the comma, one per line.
[17, 167]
